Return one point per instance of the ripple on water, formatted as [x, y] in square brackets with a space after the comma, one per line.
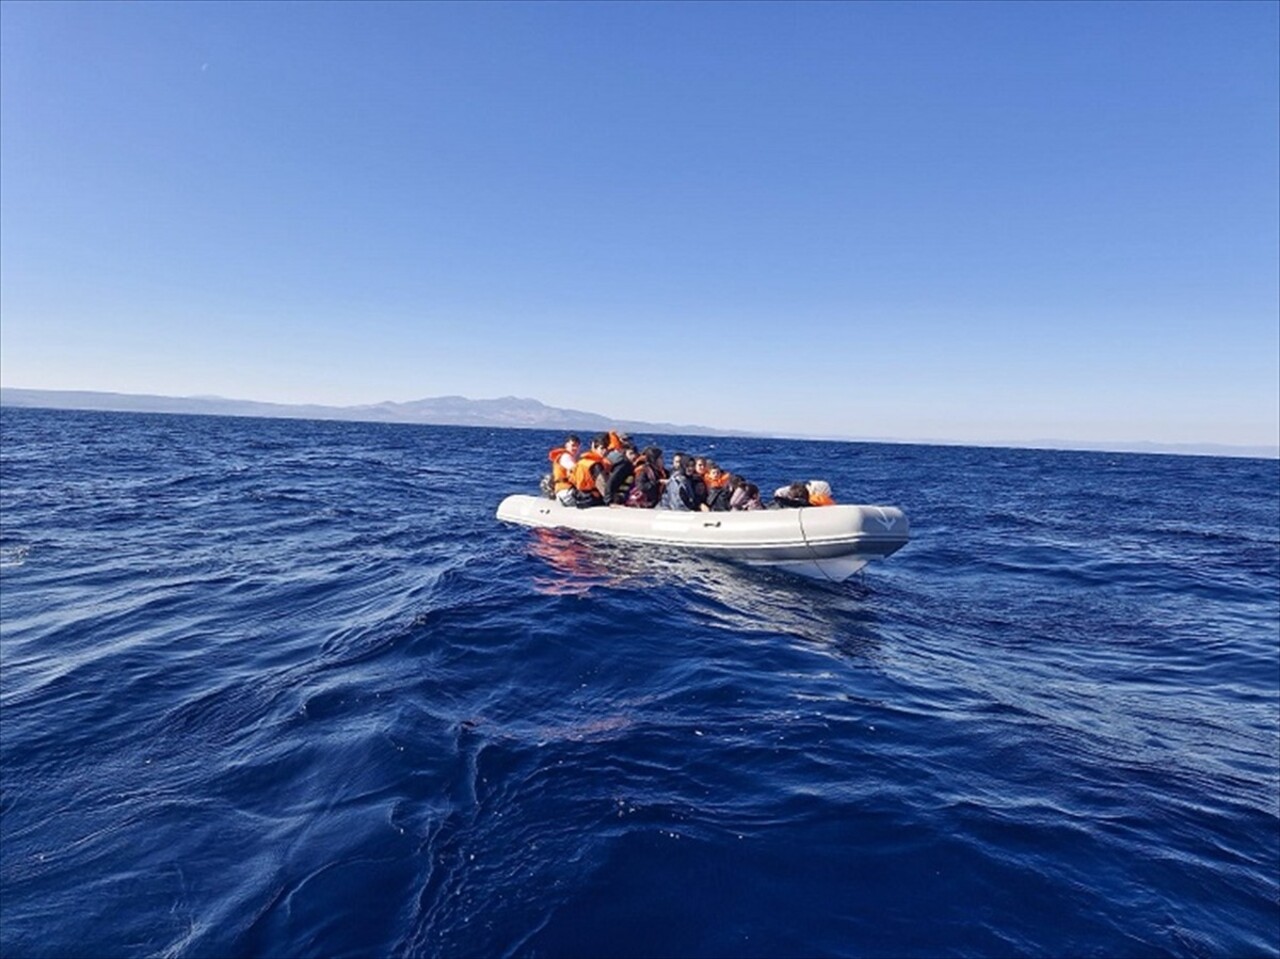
[282, 688]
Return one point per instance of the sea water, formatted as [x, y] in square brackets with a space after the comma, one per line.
[286, 688]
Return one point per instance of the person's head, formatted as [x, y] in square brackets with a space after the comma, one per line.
[752, 490]
[818, 489]
[713, 470]
[736, 482]
[679, 461]
[572, 444]
[600, 442]
[700, 464]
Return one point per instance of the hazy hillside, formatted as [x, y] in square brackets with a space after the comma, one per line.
[518, 412]
[507, 411]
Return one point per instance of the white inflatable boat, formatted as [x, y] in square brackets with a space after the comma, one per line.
[828, 542]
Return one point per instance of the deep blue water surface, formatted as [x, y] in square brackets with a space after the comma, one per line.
[286, 688]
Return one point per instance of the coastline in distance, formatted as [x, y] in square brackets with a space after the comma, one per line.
[514, 412]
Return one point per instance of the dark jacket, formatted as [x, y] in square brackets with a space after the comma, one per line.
[718, 498]
[679, 493]
[619, 481]
[649, 485]
[699, 487]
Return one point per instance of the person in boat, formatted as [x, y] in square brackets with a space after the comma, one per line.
[700, 473]
[590, 477]
[680, 494]
[563, 459]
[618, 440]
[622, 468]
[791, 496]
[696, 470]
[746, 496]
[819, 493]
[736, 483]
[812, 493]
[718, 489]
[649, 474]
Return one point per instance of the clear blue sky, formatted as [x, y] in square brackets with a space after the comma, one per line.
[958, 221]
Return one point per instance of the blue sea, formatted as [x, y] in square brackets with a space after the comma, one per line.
[286, 688]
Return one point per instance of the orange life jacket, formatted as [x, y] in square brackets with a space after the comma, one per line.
[721, 480]
[820, 499]
[584, 474]
[615, 441]
[559, 475]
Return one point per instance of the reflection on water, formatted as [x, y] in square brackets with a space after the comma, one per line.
[747, 599]
[578, 568]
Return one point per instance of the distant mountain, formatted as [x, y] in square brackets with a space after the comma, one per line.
[506, 411]
[522, 413]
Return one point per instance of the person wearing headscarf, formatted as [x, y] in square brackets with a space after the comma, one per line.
[679, 493]
[819, 493]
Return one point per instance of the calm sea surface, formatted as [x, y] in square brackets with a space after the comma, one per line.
[286, 688]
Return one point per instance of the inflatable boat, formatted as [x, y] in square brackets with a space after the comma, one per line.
[828, 542]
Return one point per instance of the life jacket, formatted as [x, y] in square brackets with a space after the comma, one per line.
[821, 499]
[638, 466]
[584, 475]
[722, 480]
[559, 475]
[615, 441]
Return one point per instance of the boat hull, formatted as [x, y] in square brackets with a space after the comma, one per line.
[829, 542]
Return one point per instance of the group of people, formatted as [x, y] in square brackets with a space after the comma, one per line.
[614, 472]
